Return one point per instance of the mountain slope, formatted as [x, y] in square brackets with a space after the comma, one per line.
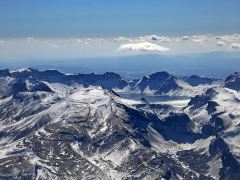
[88, 134]
[216, 113]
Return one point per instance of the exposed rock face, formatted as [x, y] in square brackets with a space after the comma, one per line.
[30, 85]
[201, 100]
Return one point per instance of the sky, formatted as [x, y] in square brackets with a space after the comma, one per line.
[51, 33]
[101, 18]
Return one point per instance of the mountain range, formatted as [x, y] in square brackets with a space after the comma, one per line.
[157, 83]
[76, 126]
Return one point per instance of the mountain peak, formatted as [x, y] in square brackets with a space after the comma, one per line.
[111, 75]
[52, 72]
[233, 81]
[195, 80]
[28, 69]
[159, 75]
[160, 82]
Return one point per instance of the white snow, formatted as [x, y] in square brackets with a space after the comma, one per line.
[175, 103]
[215, 166]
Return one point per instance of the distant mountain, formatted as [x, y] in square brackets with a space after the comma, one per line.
[110, 80]
[158, 83]
[233, 81]
[197, 80]
[166, 84]
[107, 80]
[214, 64]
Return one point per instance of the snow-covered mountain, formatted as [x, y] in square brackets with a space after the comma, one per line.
[107, 80]
[164, 83]
[161, 83]
[233, 81]
[216, 114]
[197, 80]
[58, 126]
[86, 133]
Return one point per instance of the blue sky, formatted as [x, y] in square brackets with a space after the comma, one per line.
[125, 36]
[94, 18]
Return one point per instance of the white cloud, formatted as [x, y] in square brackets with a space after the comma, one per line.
[77, 40]
[154, 38]
[229, 38]
[185, 38]
[75, 47]
[200, 38]
[235, 46]
[221, 43]
[122, 39]
[30, 39]
[159, 38]
[143, 46]
[55, 46]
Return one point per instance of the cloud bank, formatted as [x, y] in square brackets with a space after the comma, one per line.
[80, 47]
[1, 41]
[221, 43]
[143, 46]
[235, 46]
